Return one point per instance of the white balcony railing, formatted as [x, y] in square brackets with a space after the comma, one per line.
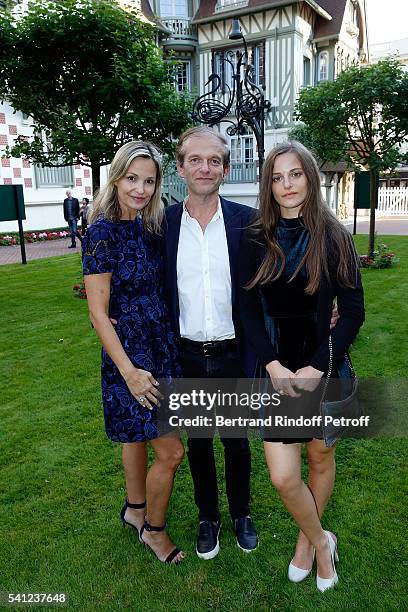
[242, 172]
[174, 188]
[181, 29]
[53, 177]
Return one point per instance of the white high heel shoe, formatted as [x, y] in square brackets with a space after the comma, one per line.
[327, 583]
[297, 574]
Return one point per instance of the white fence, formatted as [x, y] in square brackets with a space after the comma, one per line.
[392, 201]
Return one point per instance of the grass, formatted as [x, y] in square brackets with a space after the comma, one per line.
[61, 482]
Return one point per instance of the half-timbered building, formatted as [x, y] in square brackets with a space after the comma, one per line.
[291, 44]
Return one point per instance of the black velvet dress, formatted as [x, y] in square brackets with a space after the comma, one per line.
[279, 318]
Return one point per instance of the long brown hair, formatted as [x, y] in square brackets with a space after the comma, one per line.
[326, 232]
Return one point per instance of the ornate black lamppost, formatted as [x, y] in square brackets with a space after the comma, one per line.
[246, 104]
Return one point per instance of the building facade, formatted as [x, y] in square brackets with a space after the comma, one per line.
[44, 188]
[397, 49]
[291, 44]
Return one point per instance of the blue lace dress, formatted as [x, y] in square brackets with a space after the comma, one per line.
[134, 257]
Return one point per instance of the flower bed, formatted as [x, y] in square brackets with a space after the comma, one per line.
[79, 291]
[382, 258]
[9, 240]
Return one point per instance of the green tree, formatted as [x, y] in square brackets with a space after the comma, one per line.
[360, 118]
[92, 77]
[303, 134]
[8, 4]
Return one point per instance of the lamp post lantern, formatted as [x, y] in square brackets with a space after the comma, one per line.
[245, 104]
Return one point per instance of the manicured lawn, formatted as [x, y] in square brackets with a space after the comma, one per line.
[61, 483]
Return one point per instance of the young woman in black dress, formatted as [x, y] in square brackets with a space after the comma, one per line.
[295, 261]
[123, 272]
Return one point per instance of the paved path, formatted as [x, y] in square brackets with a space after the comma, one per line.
[37, 250]
[394, 226]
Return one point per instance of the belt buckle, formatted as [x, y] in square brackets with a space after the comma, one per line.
[207, 346]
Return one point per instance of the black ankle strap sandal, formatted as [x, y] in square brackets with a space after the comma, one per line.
[127, 505]
[148, 527]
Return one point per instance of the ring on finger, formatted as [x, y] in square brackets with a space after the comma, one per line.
[142, 399]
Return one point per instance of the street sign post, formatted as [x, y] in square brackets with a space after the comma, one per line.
[362, 193]
[12, 209]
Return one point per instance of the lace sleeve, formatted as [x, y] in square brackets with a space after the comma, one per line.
[96, 252]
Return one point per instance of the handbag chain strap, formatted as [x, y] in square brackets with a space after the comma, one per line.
[330, 369]
[350, 365]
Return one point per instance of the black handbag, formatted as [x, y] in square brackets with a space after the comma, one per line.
[345, 402]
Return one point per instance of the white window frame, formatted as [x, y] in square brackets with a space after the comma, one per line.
[62, 176]
[352, 12]
[323, 70]
[184, 65]
[256, 62]
[307, 63]
[224, 69]
[240, 145]
[229, 5]
[174, 11]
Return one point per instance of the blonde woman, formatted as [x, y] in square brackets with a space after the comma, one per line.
[123, 271]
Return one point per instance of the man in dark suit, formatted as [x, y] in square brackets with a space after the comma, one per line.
[202, 242]
[71, 216]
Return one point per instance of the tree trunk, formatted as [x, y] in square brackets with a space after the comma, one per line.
[373, 206]
[96, 176]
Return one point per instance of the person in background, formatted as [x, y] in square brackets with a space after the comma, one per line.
[295, 260]
[83, 214]
[71, 216]
[123, 272]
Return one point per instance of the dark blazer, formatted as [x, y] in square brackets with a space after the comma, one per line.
[350, 303]
[74, 212]
[236, 218]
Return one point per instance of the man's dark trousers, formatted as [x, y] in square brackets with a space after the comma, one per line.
[201, 452]
[71, 215]
[73, 228]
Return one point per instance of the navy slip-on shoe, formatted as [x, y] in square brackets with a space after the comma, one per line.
[247, 538]
[208, 544]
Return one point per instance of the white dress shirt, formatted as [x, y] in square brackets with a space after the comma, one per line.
[204, 280]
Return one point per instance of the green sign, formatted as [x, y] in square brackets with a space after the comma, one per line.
[362, 189]
[12, 203]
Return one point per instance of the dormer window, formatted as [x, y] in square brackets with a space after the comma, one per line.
[229, 5]
[352, 19]
[352, 13]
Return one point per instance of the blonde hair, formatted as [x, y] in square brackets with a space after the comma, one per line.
[106, 204]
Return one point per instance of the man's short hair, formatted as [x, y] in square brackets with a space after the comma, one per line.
[201, 130]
